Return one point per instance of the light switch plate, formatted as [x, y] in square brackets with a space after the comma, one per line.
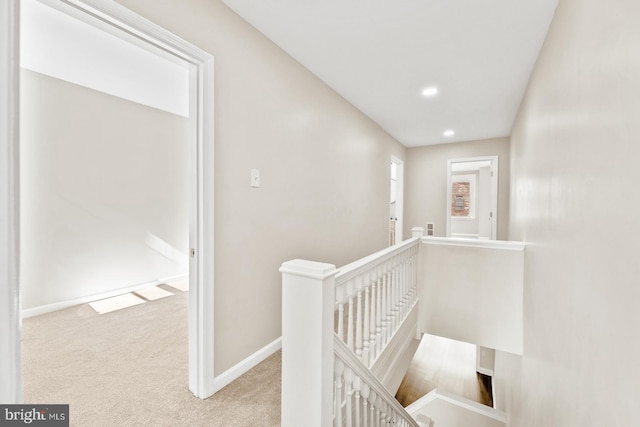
[255, 178]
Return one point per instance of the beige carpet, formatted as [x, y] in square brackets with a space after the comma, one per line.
[129, 368]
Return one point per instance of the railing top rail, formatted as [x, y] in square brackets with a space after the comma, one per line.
[365, 264]
[369, 378]
[487, 244]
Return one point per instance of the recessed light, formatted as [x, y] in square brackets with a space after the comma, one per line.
[430, 91]
[448, 133]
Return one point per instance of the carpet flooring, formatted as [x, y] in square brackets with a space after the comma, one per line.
[129, 368]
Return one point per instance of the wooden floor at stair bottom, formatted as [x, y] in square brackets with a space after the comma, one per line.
[446, 365]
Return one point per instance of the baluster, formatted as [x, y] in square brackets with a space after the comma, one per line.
[372, 408]
[338, 369]
[379, 412]
[348, 393]
[392, 294]
[365, 404]
[388, 414]
[402, 292]
[414, 280]
[379, 294]
[395, 281]
[357, 387]
[410, 283]
[387, 308]
[398, 295]
[341, 320]
[408, 304]
[367, 319]
[372, 321]
[385, 296]
[359, 321]
[350, 324]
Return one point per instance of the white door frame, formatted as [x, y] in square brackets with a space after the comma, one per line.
[399, 197]
[494, 191]
[113, 17]
[10, 320]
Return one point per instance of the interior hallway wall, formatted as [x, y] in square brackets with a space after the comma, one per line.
[426, 182]
[324, 166]
[575, 158]
[104, 192]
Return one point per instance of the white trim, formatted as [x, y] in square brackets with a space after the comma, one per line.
[48, 308]
[494, 191]
[10, 322]
[239, 369]
[308, 269]
[476, 243]
[484, 371]
[459, 401]
[111, 16]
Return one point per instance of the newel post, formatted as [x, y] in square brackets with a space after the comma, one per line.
[417, 232]
[308, 301]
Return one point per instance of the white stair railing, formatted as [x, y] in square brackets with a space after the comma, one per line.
[373, 297]
[360, 398]
[318, 365]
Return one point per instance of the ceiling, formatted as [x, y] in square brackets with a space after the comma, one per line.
[381, 54]
[56, 44]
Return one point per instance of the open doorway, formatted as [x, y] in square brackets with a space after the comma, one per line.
[396, 201]
[197, 254]
[104, 164]
[472, 198]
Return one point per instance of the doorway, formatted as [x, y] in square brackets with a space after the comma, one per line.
[119, 21]
[396, 201]
[472, 198]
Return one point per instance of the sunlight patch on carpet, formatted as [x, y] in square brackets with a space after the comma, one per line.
[152, 294]
[181, 285]
[116, 303]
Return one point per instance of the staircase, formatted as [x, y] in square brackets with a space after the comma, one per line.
[454, 411]
[348, 337]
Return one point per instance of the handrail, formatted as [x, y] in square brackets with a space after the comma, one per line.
[373, 296]
[354, 269]
[367, 377]
[367, 303]
[487, 244]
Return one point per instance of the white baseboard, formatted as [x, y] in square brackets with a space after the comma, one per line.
[459, 401]
[235, 372]
[43, 309]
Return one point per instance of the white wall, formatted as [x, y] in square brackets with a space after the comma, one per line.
[62, 46]
[324, 167]
[426, 182]
[575, 158]
[104, 192]
[471, 293]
